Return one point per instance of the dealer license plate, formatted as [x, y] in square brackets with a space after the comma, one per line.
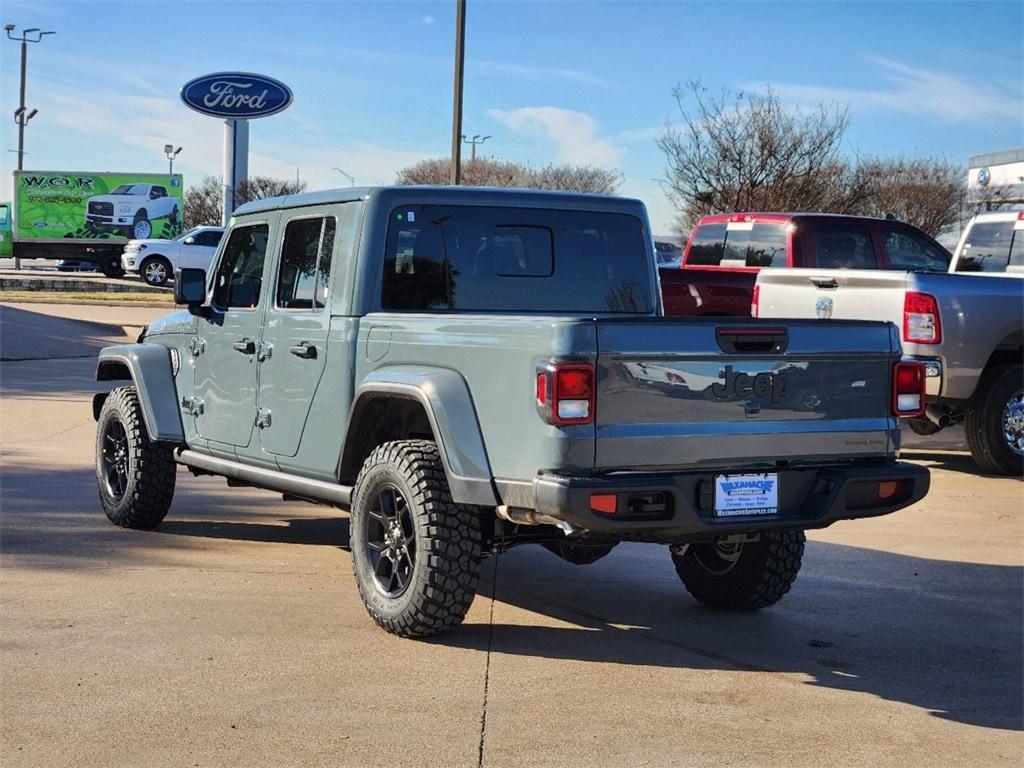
[743, 495]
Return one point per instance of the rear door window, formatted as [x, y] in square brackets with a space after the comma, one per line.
[478, 258]
[844, 245]
[989, 246]
[909, 250]
[304, 273]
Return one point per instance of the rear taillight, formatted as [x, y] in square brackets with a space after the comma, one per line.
[755, 300]
[908, 389]
[921, 322]
[565, 393]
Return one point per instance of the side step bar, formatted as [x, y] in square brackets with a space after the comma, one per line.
[267, 478]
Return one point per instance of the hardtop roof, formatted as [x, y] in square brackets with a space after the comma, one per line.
[522, 198]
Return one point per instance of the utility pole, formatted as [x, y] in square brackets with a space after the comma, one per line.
[349, 176]
[455, 177]
[33, 35]
[474, 141]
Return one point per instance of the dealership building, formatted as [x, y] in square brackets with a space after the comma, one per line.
[996, 178]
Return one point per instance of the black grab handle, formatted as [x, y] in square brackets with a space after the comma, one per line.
[751, 341]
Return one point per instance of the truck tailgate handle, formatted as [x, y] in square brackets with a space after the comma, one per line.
[825, 282]
[751, 341]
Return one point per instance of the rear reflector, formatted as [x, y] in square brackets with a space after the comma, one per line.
[908, 382]
[604, 503]
[889, 488]
[921, 321]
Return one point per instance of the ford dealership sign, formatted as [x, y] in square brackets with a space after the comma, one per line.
[236, 95]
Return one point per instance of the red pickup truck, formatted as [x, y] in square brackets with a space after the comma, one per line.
[725, 252]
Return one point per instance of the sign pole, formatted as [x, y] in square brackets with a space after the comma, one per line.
[236, 162]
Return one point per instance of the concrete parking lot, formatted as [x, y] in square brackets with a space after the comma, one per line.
[233, 635]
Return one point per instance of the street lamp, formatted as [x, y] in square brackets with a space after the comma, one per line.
[21, 117]
[351, 179]
[474, 141]
[170, 153]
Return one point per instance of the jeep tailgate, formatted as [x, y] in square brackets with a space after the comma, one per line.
[738, 393]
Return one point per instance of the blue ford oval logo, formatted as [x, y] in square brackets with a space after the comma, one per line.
[238, 95]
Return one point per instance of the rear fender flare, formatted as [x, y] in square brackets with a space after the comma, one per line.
[148, 367]
[446, 399]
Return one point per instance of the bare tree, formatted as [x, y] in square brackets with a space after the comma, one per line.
[736, 152]
[204, 203]
[485, 172]
[925, 192]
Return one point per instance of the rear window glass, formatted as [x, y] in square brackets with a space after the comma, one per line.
[476, 258]
[988, 247]
[843, 245]
[739, 244]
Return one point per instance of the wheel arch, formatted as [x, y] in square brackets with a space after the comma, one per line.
[399, 402]
[148, 367]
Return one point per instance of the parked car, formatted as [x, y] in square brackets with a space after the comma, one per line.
[132, 209]
[462, 369]
[967, 330]
[725, 252]
[666, 252]
[156, 260]
[992, 244]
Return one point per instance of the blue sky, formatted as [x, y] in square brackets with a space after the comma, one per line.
[551, 82]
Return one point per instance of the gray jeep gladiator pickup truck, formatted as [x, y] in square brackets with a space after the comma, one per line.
[465, 370]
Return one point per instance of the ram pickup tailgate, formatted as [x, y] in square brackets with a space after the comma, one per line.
[741, 393]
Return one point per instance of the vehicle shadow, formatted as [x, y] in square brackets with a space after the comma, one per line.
[941, 635]
[954, 461]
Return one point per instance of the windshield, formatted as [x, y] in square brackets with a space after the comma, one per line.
[130, 189]
[990, 246]
[476, 258]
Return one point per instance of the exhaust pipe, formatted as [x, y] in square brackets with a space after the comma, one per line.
[522, 516]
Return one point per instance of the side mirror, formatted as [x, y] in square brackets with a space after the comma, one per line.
[190, 289]
[190, 241]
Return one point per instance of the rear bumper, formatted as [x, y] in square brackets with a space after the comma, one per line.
[808, 498]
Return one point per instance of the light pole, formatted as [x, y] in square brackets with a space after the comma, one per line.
[474, 141]
[170, 153]
[21, 116]
[455, 176]
[350, 177]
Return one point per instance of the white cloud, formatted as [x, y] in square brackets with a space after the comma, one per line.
[427, 20]
[916, 91]
[575, 135]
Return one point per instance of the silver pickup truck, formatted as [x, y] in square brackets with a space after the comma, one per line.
[465, 370]
[968, 330]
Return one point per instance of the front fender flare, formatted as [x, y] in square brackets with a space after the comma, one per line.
[148, 366]
[445, 397]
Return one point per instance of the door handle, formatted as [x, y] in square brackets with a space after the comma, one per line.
[245, 346]
[305, 351]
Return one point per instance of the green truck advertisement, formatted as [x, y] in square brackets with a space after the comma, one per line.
[89, 216]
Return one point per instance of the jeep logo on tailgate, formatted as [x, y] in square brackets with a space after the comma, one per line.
[737, 384]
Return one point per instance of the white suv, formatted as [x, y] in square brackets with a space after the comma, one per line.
[992, 244]
[156, 260]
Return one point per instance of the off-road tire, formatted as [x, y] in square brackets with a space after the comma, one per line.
[763, 573]
[447, 541]
[983, 421]
[152, 260]
[111, 266]
[576, 553]
[150, 469]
